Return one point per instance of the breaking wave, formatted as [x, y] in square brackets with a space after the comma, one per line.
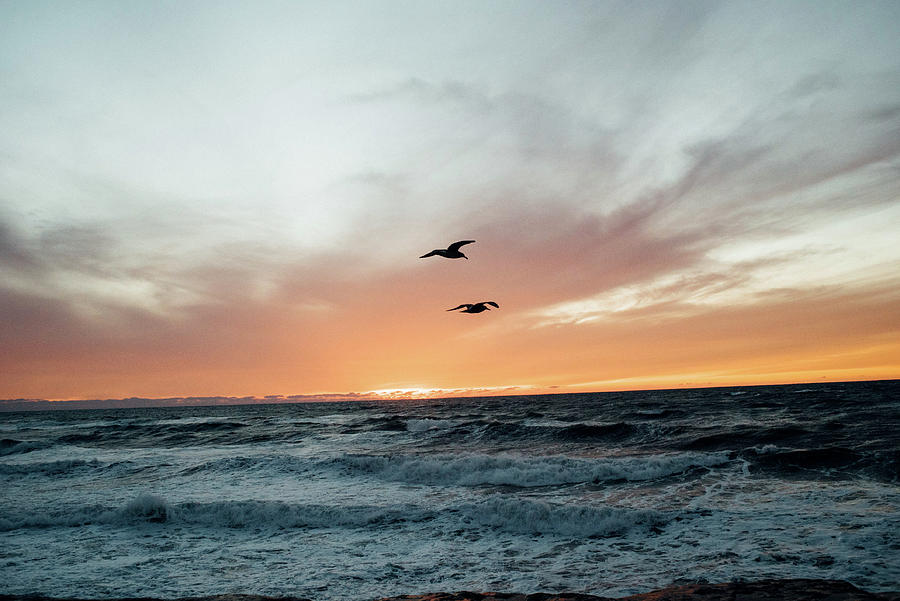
[507, 470]
[10, 446]
[49, 468]
[495, 512]
[538, 517]
[160, 434]
[224, 514]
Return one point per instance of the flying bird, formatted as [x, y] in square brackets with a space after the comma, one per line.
[451, 252]
[475, 307]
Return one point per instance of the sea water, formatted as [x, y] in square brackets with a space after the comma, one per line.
[606, 493]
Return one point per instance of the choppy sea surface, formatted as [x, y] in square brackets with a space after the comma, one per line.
[606, 493]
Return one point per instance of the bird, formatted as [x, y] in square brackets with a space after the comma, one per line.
[451, 252]
[475, 307]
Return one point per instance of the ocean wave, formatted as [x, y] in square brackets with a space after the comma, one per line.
[153, 434]
[657, 413]
[492, 430]
[263, 464]
[820, 458]
[426, 424]
[495, 512]
[538, 517]
[503, 430]
[389, 423]
[828, 460]
[191, 433]
[222, 514]
[11, 446]
[49, 468]
[472, 469]
[508, 470]
[745, 435]
[497, 429]
[586, 431]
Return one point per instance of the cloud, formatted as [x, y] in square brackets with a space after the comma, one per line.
[14, 254]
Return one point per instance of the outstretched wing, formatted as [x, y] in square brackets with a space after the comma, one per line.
[459, 307]
[491, 303]
[456, 245]
[431, 254]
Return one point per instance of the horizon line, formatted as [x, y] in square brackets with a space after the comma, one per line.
[137, 402]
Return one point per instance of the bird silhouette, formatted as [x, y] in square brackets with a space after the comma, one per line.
[451, 252]
[475, 307]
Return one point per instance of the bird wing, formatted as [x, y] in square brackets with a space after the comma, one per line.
[491, 303]
[431, 254]
[457, 245]
[459, 307]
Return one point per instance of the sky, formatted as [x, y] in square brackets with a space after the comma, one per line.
[231, 198]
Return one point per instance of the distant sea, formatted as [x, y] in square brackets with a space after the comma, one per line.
[606, 493]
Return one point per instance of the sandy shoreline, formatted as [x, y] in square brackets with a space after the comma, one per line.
[762, 590]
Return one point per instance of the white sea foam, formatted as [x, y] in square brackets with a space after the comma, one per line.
[425, 424]
[768, 449]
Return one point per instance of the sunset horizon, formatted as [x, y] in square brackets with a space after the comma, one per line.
[392, 395]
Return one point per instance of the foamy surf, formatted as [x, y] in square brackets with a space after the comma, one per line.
[358, 501]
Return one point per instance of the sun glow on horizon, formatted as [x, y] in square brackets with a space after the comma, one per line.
[421, 393]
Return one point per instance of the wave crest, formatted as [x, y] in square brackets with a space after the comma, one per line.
[537, 517]
[496, 512]
[49, 468]
[504, 470]
[11, 446]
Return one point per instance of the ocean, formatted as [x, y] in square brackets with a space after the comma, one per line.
[603, 493]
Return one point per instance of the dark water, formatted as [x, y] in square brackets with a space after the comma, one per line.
[611, 493]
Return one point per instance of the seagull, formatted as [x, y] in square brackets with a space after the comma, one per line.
[476, 307]
[451, 252]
